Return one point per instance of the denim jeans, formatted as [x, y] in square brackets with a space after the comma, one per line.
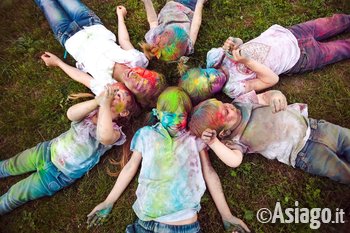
[67, 17]
[45, 181]
[315, 53]
[140, 226]
[189, 3]
[327, 152]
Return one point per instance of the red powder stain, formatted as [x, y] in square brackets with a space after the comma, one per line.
[146, 74]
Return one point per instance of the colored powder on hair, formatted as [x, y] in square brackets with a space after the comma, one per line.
[175, 43]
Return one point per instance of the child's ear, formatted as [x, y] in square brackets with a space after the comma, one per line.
[124, 113]
[224, 133]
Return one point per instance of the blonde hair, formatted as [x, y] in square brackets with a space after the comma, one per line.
[148, 50]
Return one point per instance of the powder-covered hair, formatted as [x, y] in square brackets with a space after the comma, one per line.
[201, 84]
[205, 115]
[174, 98]
[170, 45]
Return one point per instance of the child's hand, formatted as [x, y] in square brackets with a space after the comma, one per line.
[235, 225]
[232, 44]
[99, 214]
[278, 101]
[121, 11]
[106, 96]
[239, 56]
[208, 136]
[50, 59]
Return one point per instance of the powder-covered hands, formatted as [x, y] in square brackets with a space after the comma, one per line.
[106, 96]
[99, 214]
[209, 136]
[278, 101]
[235, 225]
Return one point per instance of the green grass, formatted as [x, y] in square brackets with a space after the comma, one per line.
[33, 106]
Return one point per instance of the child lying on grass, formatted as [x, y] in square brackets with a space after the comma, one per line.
[265, 124]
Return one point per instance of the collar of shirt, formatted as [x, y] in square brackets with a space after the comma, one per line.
[161, 130]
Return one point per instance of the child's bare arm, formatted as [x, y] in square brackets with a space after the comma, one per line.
[196, 21]
[265, 77]
[215, 188]
[78, 111]
[151, 13]
[232, 158]
[105, 132]
[76, 74]
[101, 211]
[123, 34]
[276, 99]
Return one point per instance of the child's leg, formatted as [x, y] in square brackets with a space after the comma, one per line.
[44, 182]
[315, 54]
[322, 28]
[57, 18]
[327, 152]
[189, 3]
[80, 13]
[26, 161]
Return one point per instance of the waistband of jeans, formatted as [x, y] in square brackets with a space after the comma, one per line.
[313, 123]
[162, 227]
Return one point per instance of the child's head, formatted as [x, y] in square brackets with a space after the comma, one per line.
[173, 107]
[123, 104]
[215, 115]
[170, 45]
[201, 84]
[145, 84]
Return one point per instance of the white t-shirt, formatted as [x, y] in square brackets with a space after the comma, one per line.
[277, 48]
[95, 50]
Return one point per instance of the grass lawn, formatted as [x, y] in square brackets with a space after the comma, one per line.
[33, 106]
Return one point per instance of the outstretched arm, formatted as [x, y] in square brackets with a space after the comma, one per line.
[215, 188]
[123, 34]
[76, 74]
[101, 211]
[151, 13]
[232, 158]
[196, 21]
[265, 77]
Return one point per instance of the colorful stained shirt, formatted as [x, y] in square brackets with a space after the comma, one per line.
[95, 50]
[170, 182]
[176, 19]
[278, 135]
[76, 151]
[277, 48]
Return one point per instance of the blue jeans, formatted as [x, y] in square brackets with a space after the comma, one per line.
[140, 226]
[327, 152]
[314, 51]
[67, 17]
[189, 3]
[45, 181]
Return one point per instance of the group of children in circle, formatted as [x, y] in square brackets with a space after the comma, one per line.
[175, 167]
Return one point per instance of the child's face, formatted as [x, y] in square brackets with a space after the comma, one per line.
[140, 81]
[230, 115]
[121, 99]
[173, 122]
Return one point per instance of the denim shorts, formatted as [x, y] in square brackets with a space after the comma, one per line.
[140, 226]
